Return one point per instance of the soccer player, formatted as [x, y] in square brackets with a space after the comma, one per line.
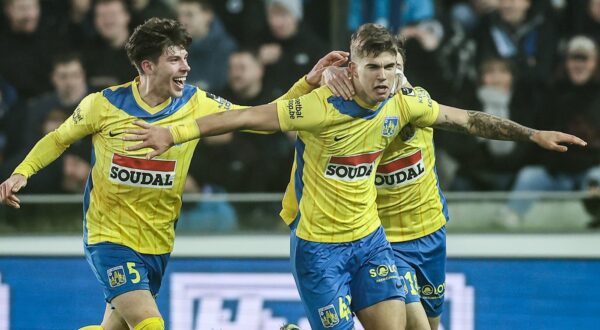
[411, 206]
[340, 257]
[130, 203]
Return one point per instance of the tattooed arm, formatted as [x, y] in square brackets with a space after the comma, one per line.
[497, 128]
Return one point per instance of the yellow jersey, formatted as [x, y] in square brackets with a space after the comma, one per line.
[128, 199]
[410, 201]
[339, 145]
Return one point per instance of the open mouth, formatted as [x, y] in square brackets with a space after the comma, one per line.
[381, 89]
[179, 81]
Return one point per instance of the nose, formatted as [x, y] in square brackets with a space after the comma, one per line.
[185, 67]
[381, 74]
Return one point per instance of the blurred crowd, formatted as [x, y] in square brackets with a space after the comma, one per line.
[533, 61]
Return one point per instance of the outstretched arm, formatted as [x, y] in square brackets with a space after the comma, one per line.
[497, 128]
[259, 118]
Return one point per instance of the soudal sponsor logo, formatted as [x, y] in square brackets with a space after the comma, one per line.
[139, 172]
[351, 168]
[400, 171]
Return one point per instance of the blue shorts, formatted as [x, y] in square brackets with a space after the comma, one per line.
[423, 261]
[336, 279]
[120, 269]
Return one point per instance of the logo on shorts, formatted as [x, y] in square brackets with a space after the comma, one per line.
[329, 316]
[390, 125]
[351, 168]
[116, 276]
[384, 272]
[139, 172]
[429, 291]
[400, 171]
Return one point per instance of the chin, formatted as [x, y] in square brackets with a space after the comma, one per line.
[175, 94]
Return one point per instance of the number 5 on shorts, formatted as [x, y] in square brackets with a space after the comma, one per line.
[134, 272]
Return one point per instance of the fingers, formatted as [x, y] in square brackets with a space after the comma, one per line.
[141, 124]
[577, 141]
[152, 154]
[13, 201]
[138, 146]
[18, 185]
[135, 137]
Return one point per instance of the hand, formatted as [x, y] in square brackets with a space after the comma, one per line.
[8, 189]
[552, 140]
[155, 137]
[334, 58]
[338, 80]
[269, 53]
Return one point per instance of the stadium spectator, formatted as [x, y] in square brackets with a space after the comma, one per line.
[27, 48]
[586, 18]
[70, 87]
[241, 156]
[105, 58]
[393, 14]
[80, 23]
[572, 106]
[49, 181]
[422, 41]
[470, 13]
[211, 47]
[206, 216]
[243, 19]
[141, 10]
[491, 164]
[289, 47]
[523, 33]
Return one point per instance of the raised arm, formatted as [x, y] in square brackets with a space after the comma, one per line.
[160, 139]
[497, 128]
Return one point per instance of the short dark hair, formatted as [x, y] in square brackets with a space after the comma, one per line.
[373, 39]
[149, 40]
[65, 58]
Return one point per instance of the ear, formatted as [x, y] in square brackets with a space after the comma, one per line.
[147, 67]
[352, 68]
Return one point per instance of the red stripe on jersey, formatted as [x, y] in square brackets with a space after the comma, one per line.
[144, 164]
[356, 159]
[400, 163]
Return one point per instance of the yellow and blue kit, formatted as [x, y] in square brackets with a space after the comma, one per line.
[129, 200]
[413, 211]
[330, 201]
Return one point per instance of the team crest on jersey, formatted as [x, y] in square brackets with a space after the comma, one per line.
[116, 276]
[351, 168]
[407, 132]
[400, 171]
[390, 125]
[139, 172]
[329, 316]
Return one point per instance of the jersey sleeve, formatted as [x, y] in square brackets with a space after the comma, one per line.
[301, 87]
[85, 120]
[304, 113]
[422, 110]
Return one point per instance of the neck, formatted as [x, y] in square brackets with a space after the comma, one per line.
[148, 94]
[364, 98]
[72, 98]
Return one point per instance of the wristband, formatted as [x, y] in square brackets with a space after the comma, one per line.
[185, 132]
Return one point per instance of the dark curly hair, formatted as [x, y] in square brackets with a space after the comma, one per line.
[151, 39]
